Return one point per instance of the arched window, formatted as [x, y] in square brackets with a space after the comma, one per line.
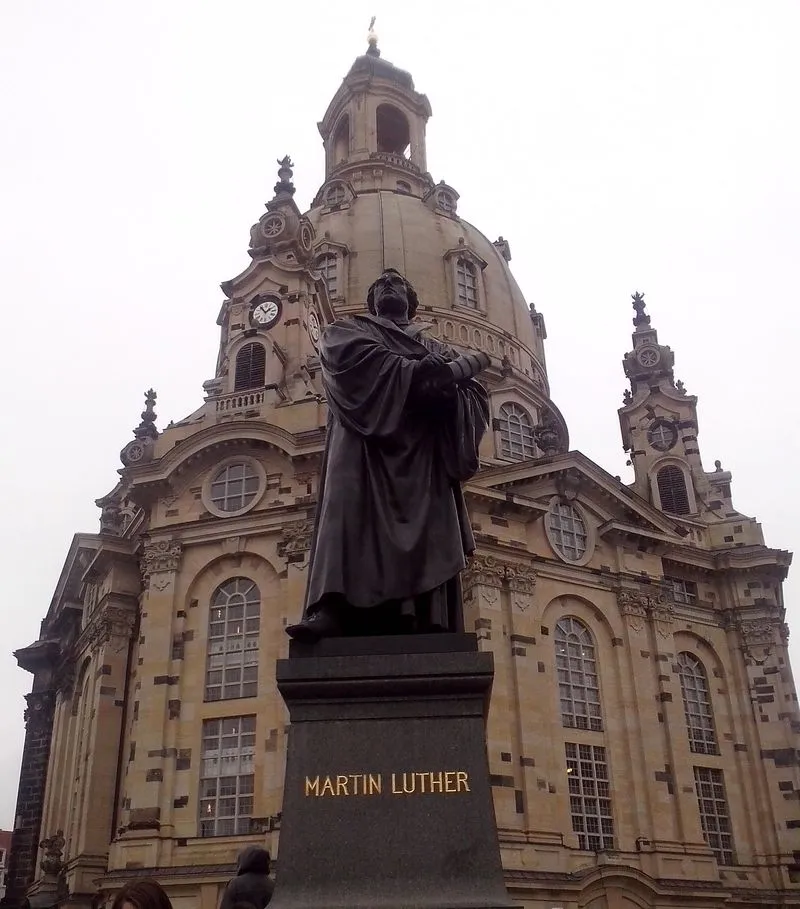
[516, 433]
[672, 490]
[233, 626]
[466, 284]
[697, 704]
[576, 664]
[403, 186]
[566, 530]
[251, 366]
[328, 266]
[392, 128]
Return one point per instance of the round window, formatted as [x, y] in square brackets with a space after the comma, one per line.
[234, 487]
[662, 435]
[566, 530]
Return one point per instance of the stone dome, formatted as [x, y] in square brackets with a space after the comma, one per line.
[433, 248]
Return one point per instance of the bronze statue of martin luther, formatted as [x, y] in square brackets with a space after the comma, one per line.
[406, 417]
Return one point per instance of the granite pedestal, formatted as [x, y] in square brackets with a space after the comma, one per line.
[387, 801]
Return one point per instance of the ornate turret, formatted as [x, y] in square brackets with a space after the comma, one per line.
[659, 427]
[282, 231]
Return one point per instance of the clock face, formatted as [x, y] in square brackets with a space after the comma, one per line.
[313, 327]
[266, 313]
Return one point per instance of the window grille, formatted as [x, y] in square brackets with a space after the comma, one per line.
[576, 664]
[516, 433]
[714, 815]
[697, 705]
[227, 779]
[590, 796]
[233, 630]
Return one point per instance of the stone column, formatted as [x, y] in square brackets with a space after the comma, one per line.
[33, 775]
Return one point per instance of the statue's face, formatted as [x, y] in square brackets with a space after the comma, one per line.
[391, 297]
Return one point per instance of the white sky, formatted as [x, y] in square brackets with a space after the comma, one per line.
[617, 146]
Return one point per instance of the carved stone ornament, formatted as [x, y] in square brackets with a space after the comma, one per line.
[295, 537]
[759, 632]
[637, 605]
[38, 714]
[159, 555]
[106, 623]
[53, 848]
[490, 571]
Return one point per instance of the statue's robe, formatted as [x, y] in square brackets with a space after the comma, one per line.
[392, 528]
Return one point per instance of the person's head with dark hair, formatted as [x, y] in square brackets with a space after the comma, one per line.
[144, 894]
[393, 297]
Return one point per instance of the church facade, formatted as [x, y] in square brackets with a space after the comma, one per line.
[643, 730]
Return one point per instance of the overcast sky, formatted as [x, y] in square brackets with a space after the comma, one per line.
[617, 146]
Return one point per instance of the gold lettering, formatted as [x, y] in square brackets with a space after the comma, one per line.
[341, 784]
[327, 787]
[437, 783]
[461, 779]
[395, 790]
[354, 778]
[375, 781]
[312, 786]
[449, 781]
[406, 781]
[422, 778]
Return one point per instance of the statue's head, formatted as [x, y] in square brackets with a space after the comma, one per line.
[392, 297]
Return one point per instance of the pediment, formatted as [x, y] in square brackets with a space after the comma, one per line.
[617, 509]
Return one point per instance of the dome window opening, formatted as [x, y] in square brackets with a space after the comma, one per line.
[341, 142]
[446, 201]
[392, 129]
[403, 187]
[335, 194]
[467, 282]
[328, 266]
[516, 433]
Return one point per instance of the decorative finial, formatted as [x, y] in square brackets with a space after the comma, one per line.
[372, 40]
[284, 186]
[641, 318]
[147, 428]
[681, 388]
[718, 466]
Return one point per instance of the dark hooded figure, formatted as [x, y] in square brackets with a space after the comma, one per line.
[252, 883]
[405, 419]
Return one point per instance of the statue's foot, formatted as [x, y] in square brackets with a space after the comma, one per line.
[321, 624]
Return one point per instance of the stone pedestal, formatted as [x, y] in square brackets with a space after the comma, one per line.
[387, 799]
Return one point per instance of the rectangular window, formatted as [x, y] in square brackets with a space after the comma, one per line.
[227, 780]
[682, 591]
[714, 814]
[590, 796]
